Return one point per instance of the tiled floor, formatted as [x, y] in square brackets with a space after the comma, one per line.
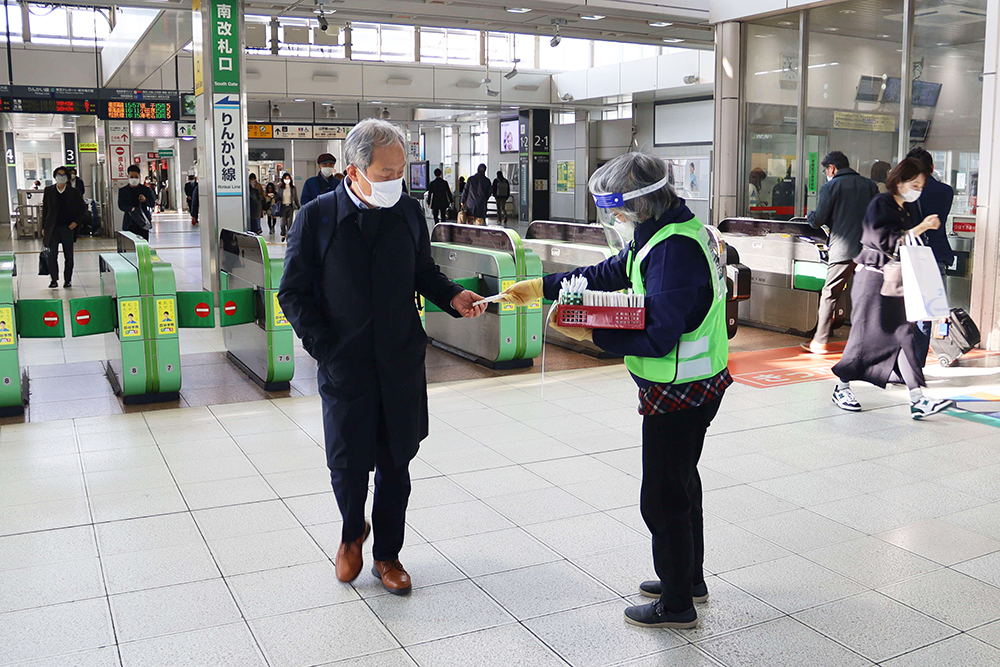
[204, 536]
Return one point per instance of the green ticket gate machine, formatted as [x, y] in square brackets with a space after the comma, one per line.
[25, 318]
[565, 246]
[139, 303]
[486, 260]
[259, 340]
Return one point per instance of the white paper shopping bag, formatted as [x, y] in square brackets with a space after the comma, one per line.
[923, 289]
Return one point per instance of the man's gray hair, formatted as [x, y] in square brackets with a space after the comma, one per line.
[634, 171]
[365, 137]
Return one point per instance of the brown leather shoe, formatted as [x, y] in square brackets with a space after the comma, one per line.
[393, 576]
[349, 559]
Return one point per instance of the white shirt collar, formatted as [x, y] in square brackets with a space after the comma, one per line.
[354, 198]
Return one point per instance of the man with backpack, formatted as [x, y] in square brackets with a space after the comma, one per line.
[354, 260]
[501, 193]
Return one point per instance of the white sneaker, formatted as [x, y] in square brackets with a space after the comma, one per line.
[846, 400]
[925, 407]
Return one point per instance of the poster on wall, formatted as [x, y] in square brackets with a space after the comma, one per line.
[565, 176]
[691, 179]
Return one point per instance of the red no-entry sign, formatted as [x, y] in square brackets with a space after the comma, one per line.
[230, 308]
[51, 318]
[202, 309]
[83, 317]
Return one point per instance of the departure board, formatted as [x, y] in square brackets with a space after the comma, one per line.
[50, 105]
[135, 110]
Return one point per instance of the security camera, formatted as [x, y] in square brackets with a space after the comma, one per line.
[554, 42]
[566, 97]
[691, 79]
[323, 25]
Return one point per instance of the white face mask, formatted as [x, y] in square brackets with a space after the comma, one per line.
[288, 180]
[133, 182]
[384, 194]
[73, 178]
[909, 195]
[60, 180]
[326, 171]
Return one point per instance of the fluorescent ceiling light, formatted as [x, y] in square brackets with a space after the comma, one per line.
[518, 10]
[660, 24]
[673, 40]
[299, 99]
[593, 17]
[785, 23]
[830, 28]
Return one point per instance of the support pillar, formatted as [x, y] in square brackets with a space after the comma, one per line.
[986, 262]
[728, 193]
[220, 99]
[533, 167]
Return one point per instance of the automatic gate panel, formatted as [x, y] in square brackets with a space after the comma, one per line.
[237, 306]
[10, 378]
[91, 315]
[195, 310]
[40, 318]
[473, 283]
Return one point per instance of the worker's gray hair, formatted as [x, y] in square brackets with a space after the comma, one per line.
[365, 137]
[634, 171]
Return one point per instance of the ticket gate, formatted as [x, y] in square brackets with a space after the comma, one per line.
[258, 337]
[486, 260]
[140, 304]
[24, 318]
[565, 246]
[788, 263]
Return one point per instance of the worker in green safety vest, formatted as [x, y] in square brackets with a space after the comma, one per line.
[678, 361]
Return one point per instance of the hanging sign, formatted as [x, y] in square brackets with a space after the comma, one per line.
[854, 120]
[292, 132]
[225, 46]
[260, 131]
[331, 131]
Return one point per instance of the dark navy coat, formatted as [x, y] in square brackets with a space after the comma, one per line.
[348, 292]
[937, 198]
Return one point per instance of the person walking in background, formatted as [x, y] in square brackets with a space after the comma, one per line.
[75, 182]
[439, 197]
[63, 209]
[188, 189]
[935, 199]
[136, 201]
[501, 192]
[880, 172]
[323, 182]
[843, 200]
[256, 203]
[288, 197]
[883, 346]
[476, 196]
[195, 205]
[754, 198]
[270, 200]
[460, 187]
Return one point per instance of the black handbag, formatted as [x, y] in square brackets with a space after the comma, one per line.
[43, 262]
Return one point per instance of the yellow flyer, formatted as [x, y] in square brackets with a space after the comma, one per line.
[279, 315]
[6, 326]
[166, 316]
[130, 325]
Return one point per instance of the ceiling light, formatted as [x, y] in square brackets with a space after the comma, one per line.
[883, 36]
[785, 23]
[275, 111]
[848, 11]
[593, 17]
[830, 28]
[331, 112]
[300, 99]
[660, 24]
[672, 40]
[518, 10]
[384, 113]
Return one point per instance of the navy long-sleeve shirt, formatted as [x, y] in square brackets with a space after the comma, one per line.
[678, 290]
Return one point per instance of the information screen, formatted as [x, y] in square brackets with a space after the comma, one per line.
[118, 110]
[50, 105]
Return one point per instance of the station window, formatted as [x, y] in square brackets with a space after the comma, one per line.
[449, 46]
[89, 26]
[612, 53]
[449, 144]
[48, 24]
[12, 18]
[571, 55]
[563, 117]
[396, 43]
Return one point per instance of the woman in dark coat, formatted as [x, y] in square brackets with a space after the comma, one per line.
[256, 203]
[883, 346]
[270, 196]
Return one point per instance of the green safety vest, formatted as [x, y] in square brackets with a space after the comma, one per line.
[704, 352]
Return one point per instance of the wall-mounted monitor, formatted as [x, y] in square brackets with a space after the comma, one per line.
[919, 129]
[924, 94]
[419, 176]
[869, 89]
[508, 136]
[187, 104]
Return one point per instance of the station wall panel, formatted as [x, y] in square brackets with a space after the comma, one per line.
[267, 76]
[604, 81]
[390, 82]
[44, 67]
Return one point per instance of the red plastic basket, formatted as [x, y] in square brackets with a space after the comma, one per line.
[601, 317]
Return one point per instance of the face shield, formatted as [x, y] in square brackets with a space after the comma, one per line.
[618, 222]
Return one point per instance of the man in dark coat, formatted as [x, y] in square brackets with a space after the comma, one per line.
[354, 260]
[476, 195]
[136, 201]
[63, 209]
[841, 208]
[325, 181]
[439, 196]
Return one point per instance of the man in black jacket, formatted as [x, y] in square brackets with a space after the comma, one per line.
[501, 192]
[476, 195]
[354, 260]
[439, 197]
[841, 208]
[136, 201]
[62, 213]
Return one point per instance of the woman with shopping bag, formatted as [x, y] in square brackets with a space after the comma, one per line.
[884, 345]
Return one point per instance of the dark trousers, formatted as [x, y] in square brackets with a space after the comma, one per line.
[392, 493]
[670, 499]
[287, 217]
[501, 209]
[838, 280]
[66, 237]
[440, 214]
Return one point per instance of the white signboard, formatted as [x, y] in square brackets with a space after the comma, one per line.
[331, 131]
[119, 134]
[187, 130]
[120, 158]
[293, 132]
[228, 127]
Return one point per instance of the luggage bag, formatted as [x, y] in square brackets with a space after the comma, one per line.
[954, 336]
